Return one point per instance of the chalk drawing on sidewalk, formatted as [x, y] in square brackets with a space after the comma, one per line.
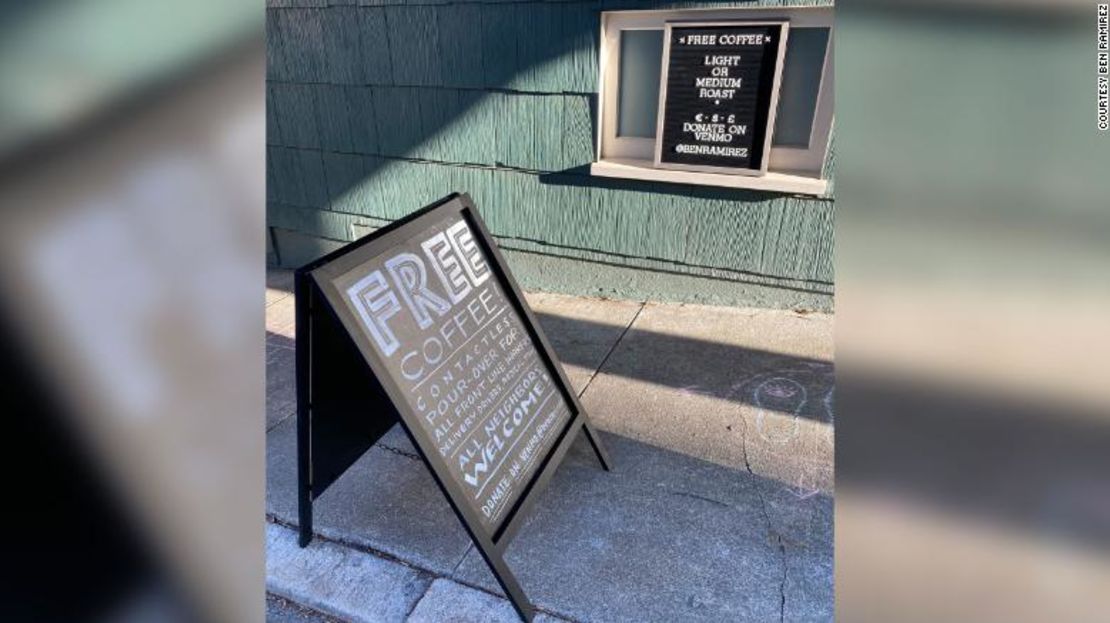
[688, 390]
[790, 413]
[778, 395]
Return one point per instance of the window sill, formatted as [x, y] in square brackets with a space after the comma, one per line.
[628, 168]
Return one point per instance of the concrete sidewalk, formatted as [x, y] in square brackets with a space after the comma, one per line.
[720, 425]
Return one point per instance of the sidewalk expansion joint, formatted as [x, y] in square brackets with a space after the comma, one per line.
[304, 609]
[462, 558]
[416, 604]
[365, 549]
[697, 497]
[281, 420]
[358, 547]
[612, 349]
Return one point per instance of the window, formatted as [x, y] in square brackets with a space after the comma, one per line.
[640, 58]
[631, 63]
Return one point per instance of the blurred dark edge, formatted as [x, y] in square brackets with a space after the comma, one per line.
[1033, 465]
[73, 552]
[103, 119]
[75, 549]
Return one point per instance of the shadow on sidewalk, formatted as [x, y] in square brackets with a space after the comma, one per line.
[795, 386]
[663, 537]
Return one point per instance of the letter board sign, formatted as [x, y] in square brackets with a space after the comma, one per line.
[458, 358]
[718, 95]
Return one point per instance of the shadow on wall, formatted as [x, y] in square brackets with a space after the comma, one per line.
[580, 177]
[374, 111]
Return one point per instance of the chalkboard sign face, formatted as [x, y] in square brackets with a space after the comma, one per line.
[428, 307]
[718, 95]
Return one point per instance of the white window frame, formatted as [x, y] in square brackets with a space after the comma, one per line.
[790, 169]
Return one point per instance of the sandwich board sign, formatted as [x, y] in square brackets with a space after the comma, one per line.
[421, 323]
[718, 95]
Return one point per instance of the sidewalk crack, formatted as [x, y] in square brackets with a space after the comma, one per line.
[398, 451]
[782, 584]
[782, 552]
[767, 519]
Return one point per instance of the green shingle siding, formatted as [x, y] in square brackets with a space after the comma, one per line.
[378, 108]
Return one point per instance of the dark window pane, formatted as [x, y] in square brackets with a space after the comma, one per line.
[638, 92]
[801, 80]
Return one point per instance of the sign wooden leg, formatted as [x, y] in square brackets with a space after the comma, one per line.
[595, 442]
[301, 289]
[507, 581]
[304, 482]
[305, 513]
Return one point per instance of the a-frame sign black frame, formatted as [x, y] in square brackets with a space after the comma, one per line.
[346, 401]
